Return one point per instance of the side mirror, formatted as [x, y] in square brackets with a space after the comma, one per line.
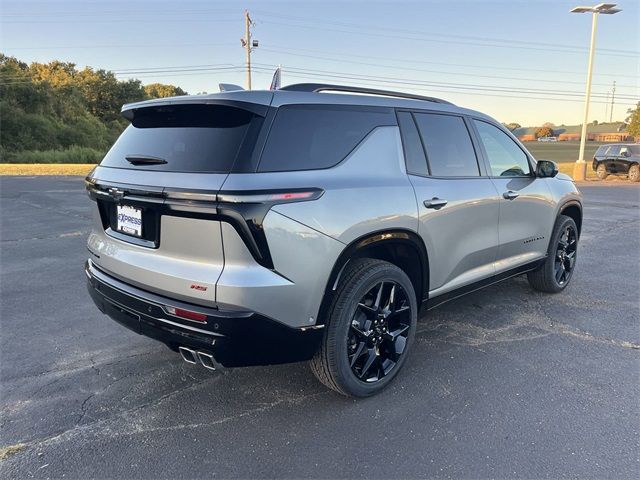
[546, 169]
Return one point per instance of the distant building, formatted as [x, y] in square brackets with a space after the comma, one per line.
[569, 137]
[597, 137]
[610, 137]
[527, 138]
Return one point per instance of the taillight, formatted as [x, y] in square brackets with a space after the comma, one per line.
[187, 314]
[271, 197]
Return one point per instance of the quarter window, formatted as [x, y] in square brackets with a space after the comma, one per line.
[505, 157]
[311, 137]
[413, 151]
[448, 145]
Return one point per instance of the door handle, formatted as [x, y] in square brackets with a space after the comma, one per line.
[435, 203]
[510, 195]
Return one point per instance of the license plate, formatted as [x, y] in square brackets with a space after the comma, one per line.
[130, 220]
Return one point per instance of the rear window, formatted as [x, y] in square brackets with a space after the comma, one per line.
[182, 138]
[311, 137]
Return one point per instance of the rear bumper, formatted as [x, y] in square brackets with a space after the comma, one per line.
[234, 338]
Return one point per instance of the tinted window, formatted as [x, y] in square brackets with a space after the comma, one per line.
[448, 145]
[310, 137]
[613, 151]
[189, 138]
[602, 150]
[635, 150]
[413, 151]
[505, 157]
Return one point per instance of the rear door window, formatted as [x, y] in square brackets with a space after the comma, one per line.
[311, 137]
[182, 138]
[448, 146]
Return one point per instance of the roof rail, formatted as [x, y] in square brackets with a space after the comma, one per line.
[323, 87]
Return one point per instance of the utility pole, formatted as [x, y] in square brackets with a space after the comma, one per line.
[613, 97]
[606, 107]
[248, 44]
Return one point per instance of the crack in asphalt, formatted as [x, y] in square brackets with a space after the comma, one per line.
[564, 329]
[58, 211]
[133, 425]
[84, 366]
[529, 324]
[78, 233]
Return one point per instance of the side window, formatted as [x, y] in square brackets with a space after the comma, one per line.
[413, 151]
[448, 145]
[614, 151]
[602, 150]
[624, 151]
[505, 157]
[311, 137]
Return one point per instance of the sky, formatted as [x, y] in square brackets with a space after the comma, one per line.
[519, 61]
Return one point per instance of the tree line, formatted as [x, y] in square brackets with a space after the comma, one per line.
[56, 110]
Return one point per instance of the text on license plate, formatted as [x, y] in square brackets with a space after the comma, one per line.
[130, 220]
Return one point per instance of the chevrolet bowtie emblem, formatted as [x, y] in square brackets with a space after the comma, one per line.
[116, 194]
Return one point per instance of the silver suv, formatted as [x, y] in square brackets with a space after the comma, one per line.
[261, 227]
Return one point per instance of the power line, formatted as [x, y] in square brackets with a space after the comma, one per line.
[451, 85]
[447, 42]
[462, 65]
[126, 45]
[314, 22]
[472, 92]
[502, 77]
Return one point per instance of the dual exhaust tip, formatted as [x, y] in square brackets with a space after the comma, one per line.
[193, 357]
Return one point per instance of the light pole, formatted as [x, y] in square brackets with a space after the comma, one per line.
[580, 168]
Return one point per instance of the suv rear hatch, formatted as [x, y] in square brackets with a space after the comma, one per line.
[156, 224]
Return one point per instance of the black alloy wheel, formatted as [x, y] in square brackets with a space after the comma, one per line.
[370, 328]
[566, 255]
[554, 274]
[379, 331]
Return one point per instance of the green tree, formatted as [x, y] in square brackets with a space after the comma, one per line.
[55, 107]
[160, 90]
[513, 126]
[633, 120]
[544, 132]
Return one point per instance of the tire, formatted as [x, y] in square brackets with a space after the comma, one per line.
[601, 171]
[555, 273]
[634, 173]
[354, 322]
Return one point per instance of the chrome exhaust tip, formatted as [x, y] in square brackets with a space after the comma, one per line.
[208, 361]
[188, 355]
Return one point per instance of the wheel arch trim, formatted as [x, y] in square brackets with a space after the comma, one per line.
[568, 204]
[372, 239]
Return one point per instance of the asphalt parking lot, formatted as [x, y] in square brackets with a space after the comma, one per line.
[506, 382]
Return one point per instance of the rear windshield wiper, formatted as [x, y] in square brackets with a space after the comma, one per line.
[145, 160]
